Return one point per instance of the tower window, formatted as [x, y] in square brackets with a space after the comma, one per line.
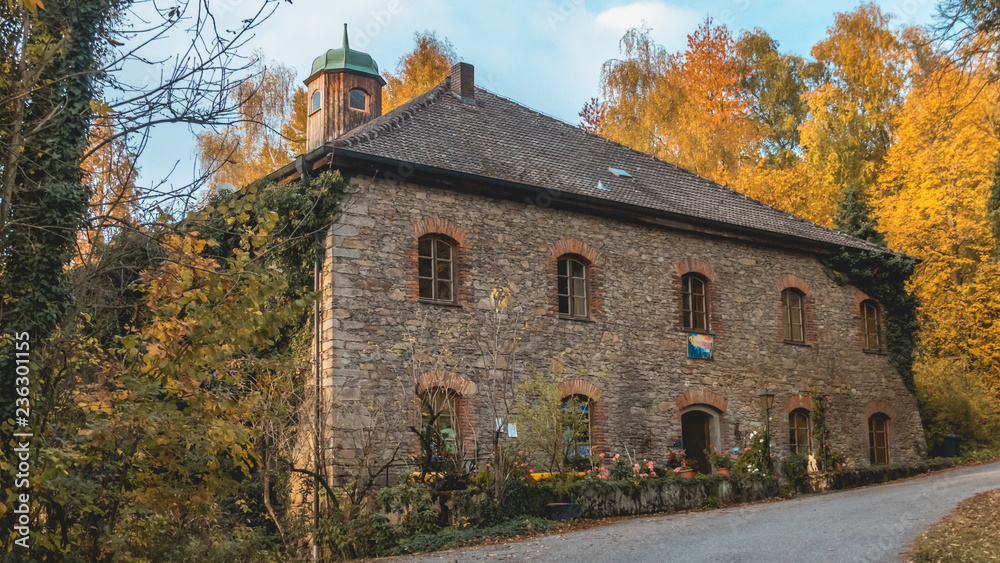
[317, 100]
[358, 100]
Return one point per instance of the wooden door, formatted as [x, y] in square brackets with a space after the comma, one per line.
[695, 435]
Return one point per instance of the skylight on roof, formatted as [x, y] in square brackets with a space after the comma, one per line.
[600, 186]
[619, 172]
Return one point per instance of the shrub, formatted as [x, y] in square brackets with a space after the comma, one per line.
[752, 460]
[952, 401]
[795, 468]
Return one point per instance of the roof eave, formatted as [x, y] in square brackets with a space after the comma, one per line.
[400, 170]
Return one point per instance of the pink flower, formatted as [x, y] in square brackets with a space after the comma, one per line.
[600, 456]
[677, 470]
[650, 465]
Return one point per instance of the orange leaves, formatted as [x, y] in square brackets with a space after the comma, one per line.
[419, 70]
[688, 108]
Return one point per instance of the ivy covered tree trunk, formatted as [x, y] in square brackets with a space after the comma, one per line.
[45, 200]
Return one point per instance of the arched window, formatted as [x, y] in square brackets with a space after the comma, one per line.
[878, 439]
[576, 410]
[798, 431]
[572, 274]
[871, 322]
[358, 99]
[436, 269]
[439, 424]
[317, 100]
[694, 302]
[793, 313]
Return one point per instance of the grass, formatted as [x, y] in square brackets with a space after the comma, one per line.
[971, 533]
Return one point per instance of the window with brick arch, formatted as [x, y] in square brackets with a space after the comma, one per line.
[872, 324]
[572, 278]
[798, 431]
[793, 313]
[439, 422]
[694, 302]
[436, 269]
[576, 411]
[878, 439]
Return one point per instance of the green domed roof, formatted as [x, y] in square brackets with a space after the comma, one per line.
[345, 58]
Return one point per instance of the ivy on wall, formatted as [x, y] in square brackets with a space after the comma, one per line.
[883, 275]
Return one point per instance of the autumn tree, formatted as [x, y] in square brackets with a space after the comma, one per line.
[932, 201]
[689, 108]
[775, 83]
[267, 134]
[426, 66]
[633, 99]
[110, 173]
[854, 109]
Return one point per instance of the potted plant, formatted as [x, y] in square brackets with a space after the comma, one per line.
[680, 463]
[722, 462]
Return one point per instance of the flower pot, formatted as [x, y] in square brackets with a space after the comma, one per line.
[563, 511]
[686, 473]
[723, 470]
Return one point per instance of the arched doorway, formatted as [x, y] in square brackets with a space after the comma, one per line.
[699, 432]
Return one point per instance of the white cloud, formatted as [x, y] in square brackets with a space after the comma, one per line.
[669, 23]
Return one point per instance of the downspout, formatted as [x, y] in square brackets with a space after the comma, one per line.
[319, 390]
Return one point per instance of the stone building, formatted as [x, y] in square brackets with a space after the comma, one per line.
[685, 300]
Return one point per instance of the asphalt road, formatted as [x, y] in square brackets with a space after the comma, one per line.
[873, 524]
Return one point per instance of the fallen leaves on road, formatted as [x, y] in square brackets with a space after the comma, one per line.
[971, 533]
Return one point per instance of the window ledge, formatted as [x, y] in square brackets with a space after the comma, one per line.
[451, 304]
[694, 331]
[797, 343]
[875, 352]
[577, 319]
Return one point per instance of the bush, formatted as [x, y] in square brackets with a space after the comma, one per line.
[952, 401]
[752, 460]
[862, 476]
[795, 468]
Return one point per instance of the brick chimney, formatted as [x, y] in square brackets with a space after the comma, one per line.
[463, 81]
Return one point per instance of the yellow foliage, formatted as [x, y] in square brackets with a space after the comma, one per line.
[419, 70]
[797, 189]
[931, 201]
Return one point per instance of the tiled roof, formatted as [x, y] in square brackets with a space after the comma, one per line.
[498, 138]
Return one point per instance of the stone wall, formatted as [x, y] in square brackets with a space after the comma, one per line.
[634, 350]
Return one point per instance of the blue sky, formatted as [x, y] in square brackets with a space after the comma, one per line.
[545, 54]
